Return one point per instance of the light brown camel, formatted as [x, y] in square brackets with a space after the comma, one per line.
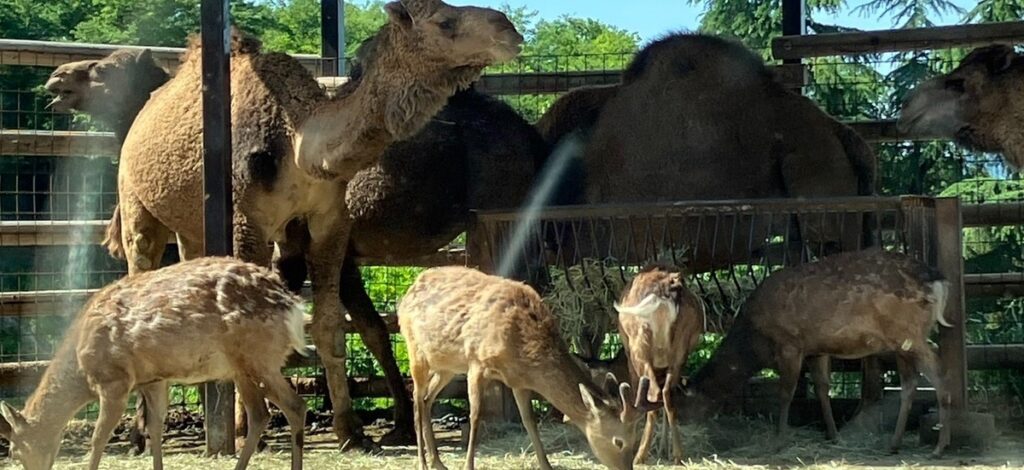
[976, 104]
[294, 151]
[112, 89]
[699, 118]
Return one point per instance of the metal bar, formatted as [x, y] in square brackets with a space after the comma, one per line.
[896, 40]
[794, 23]
[217, 216]
[949, 258]
[332, 37]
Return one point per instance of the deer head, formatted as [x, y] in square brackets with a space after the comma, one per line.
[610, 426]
[35, 447]
[457, 36]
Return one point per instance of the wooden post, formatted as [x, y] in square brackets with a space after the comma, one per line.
[219, 406]
[498, 403]
[949, 260]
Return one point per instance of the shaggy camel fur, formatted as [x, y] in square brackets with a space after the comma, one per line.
[294, 151]
[976, 104]
[112, 89]
[849, 305]
[192, 322]
[699, 117]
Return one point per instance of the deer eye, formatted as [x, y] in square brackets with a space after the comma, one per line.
[618, 442]
[955, 84]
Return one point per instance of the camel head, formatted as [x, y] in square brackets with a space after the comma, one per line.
[455, 37]
[974, 104]
[107, 88]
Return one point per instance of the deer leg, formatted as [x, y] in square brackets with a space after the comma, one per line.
[525, 405]
[328, 239]
[250, 244]
[438, 381]
[671, 380]
[113, 401]
[143, 239]
[258, 417]
[374, 331]
[908, 387]
[789, 362]
[647, 439]
[156, 411]
[420, 376]
[928, 363]
[820, 375]
[291, 404]
[475, 388]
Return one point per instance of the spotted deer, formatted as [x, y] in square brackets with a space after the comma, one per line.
[660, 323]
[458, 320]
[192, 322]
[849, 305]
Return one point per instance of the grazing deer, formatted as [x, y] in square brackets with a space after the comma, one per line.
[849, 305]
[460, 321]
[660, 322]
[192, 322]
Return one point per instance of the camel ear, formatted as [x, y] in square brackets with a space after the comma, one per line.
[997, 59]
[144, 57]
[399, 14]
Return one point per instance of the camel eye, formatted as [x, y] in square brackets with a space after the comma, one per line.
[447, 24]
[955, 84]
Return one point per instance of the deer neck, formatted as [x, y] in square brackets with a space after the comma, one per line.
[62, 391]
[396, 97]
[743, 353]
[560, 385]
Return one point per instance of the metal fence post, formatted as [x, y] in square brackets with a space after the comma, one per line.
[218, 211]
[332, 36]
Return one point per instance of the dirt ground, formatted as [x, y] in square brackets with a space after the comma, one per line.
[723, 444]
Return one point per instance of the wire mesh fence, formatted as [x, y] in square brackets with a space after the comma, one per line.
[58, 185]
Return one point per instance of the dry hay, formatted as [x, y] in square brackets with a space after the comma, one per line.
[582, 297]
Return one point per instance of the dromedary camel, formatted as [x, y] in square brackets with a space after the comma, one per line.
[295, 151]
[476, 153]
[112, 89]
[976, 104]
[701, 117]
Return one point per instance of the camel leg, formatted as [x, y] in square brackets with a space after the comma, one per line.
[375, 336]
[156, 411]
[189, 248]
[328, 240]
[144, 239]
[290, 259]
[820, 375]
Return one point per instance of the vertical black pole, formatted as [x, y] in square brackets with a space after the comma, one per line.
[794, 23]
[332, 36]
[216, 36]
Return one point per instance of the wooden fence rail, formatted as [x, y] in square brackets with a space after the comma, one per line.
[896, 40]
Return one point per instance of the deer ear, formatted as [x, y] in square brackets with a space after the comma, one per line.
[588, 400]
[12, 420]
[399, 14]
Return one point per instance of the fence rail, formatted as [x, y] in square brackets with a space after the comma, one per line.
[896, 40]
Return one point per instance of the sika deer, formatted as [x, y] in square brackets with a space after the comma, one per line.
[660, 322]
[458, 320]
[849, 305]
[192, 322]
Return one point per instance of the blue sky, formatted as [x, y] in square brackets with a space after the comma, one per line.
[650, 18]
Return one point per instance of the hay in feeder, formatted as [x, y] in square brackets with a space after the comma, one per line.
[582, 297]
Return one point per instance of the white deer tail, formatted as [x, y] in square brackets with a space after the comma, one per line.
[939, 297]
[296, 327]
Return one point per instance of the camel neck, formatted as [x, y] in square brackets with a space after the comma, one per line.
[397, 95]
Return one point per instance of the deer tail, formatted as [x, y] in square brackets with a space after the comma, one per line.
[940, 294]
[112, 240]
[296, 327]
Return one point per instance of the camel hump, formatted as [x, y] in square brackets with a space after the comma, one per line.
[861, 157]
[241, 43]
